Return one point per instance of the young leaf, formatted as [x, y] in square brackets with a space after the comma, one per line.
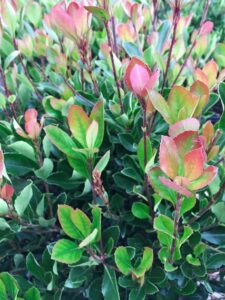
[164, 224]
[97, 114]
[60, 139]
[32, 294]
[91, 135]
[78, 123]
[66, 251]
[140, 210]
[65, 218]
[140, 152]
[23, 200]
[99, 12]
[145, 264]
[89, 239]
[102, 163]
[122, 260]
[82, 222]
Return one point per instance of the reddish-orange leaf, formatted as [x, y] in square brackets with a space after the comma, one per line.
[194, 163]
[184, 142]
[207, 176]
[211, 70]
[208, 131]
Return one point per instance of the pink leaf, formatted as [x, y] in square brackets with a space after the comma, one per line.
[168, 157]
[176, 187]
[139, 77]
[206, 28]
[190, 124]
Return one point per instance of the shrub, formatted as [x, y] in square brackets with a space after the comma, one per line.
[112, 140]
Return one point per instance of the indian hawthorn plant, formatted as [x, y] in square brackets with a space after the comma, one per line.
[112, 136]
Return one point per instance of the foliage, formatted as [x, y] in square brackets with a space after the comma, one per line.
[112, 136]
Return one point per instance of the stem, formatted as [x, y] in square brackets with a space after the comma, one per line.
[175, 231]
[145, 137]
[40, 161]
[82, 79]
[115, 48]
[194, 42]
[154, 21]
[113, 66]
[176, 17]
[205, 209]
[90, 167]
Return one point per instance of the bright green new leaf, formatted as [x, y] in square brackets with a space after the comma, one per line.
[89, 239]
[123, 260]
[164, 224]
[140, 210]
[65, 218]
[145, 264]
[66, 251]
[23, 200]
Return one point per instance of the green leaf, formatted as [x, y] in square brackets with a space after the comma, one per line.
[4, 209]
[61, 140]
[150, 288]
[23, 200]
[34, 18]
[99, 12]
[97, 215]
[32, 294]
[145, 264]
[161, 106]
[140, 152]
[97, 114]
[140, 210]
[91, 135]
[10, 285]
[218, 210]
[187, 204]
[18, 165]
[64, 214]
[3, 223]
[186, 234]
[34, 268]
[216, 261]
[109, 285]
[123, 260]
[164, 224]
[66, 251]
[160, 188]
[193, 260]
[78, 122]
[102, 163]
[89, 239]
[222, 97]
[79, 163]
[10, 58]
[24, 149]
[82, 222]
[45, 171]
